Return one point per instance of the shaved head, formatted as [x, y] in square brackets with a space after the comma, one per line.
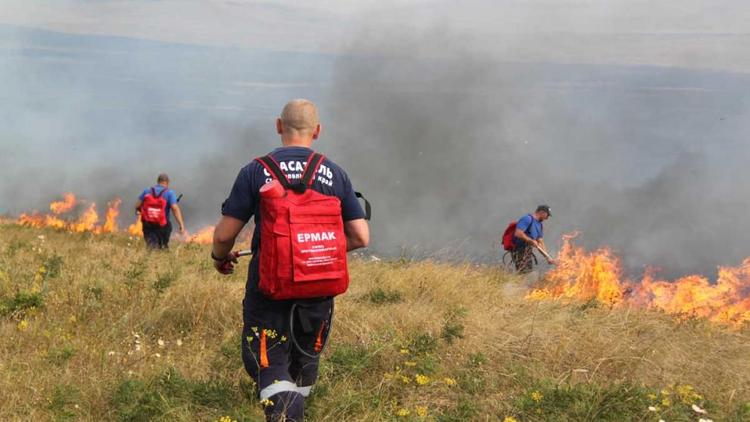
[300, 115]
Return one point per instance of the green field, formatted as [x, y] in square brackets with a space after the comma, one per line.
[97, 328]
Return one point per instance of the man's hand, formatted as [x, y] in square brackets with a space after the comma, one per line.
[226, 265]
[552, 261]
[178, 216]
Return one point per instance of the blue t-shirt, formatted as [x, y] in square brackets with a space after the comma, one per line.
[244, 199]
[531, 226]
[169, 195]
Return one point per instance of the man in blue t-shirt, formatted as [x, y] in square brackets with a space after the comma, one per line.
[530, 234]
[157, 235]
[284, 374]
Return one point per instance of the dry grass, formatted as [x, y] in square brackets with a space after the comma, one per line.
[90, 348]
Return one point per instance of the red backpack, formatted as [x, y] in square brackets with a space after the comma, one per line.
[508, 235]
[154, 208]
[302, 241]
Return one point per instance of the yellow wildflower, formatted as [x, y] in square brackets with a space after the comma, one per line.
[23, 325]
[421, 411]
[226, 419]
[666, 402]
[536, 396]
[404, 351]
[510, 419]
[266, 403]
[421, 379]
[283, 338]
[652, 396]
[403, 412]
[687, 394]
[410, 363]
[450, 382]
[270, 333]
[405, 380]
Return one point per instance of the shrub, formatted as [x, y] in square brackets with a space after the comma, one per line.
[379, 296]
[163, 281]
[21, 302]
[423, 343]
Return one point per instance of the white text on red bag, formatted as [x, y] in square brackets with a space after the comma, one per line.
[154, 208]
[302, 241]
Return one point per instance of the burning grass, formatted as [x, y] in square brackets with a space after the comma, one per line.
[583, 275]
[80, 216]
[96, 328]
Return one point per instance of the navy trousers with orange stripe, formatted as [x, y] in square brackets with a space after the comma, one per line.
[284, 376]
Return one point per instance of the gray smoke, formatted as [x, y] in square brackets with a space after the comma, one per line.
[447, 139]
[454, 145]
[102, 116]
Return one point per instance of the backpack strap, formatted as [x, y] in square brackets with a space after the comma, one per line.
[308, 176]
[270, 164]
[368, 209]
[313, 164]
[160, 193]
[531, 224]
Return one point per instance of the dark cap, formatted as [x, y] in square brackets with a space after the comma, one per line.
[545, 208]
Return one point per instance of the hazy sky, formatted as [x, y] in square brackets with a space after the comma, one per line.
[712, 34]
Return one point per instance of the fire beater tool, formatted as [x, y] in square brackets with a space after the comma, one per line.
[546, 255]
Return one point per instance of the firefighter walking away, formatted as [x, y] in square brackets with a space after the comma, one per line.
[307, 217]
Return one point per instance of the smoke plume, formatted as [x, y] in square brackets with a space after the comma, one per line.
[447, 136]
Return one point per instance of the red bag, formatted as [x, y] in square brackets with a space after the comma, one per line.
[154, 208]
[302, 241]
[508, 235]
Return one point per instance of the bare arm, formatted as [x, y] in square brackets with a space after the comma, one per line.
[523, 236]
[225, 233]
[357, 234]
[178, 217]
[539, 244]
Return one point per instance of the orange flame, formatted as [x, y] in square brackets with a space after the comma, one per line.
[204, 236]
[88, 220]
[64, 206]
[110, 220]
[136, 229]
[597, 275]
[37, 220]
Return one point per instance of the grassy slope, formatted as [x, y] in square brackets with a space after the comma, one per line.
[72, 305]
